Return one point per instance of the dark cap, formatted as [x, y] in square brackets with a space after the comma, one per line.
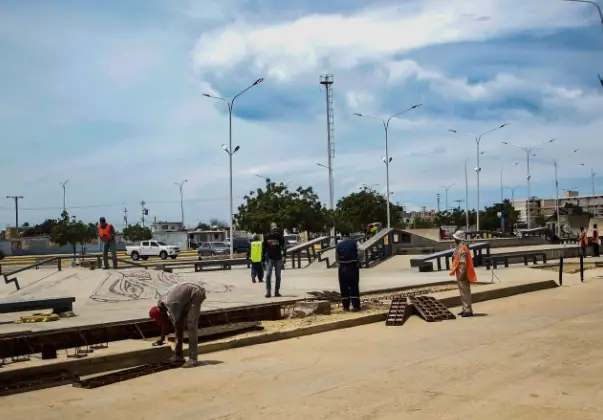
[102, 220]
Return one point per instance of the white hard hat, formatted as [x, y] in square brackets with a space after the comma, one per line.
[459, 235]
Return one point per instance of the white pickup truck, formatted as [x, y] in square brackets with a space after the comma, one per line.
[152, 248]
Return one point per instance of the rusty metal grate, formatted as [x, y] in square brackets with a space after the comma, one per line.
[431, 309]
[33, 383]
[124, 375]
[399, 311]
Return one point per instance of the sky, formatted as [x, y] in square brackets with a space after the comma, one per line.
[109, 96]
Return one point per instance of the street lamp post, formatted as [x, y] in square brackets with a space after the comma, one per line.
[528, 151]
[478, 139]
[180, 185]
[446, 199]
[64, 185]
[387, 160]
[512, 189]
[502, 197]
[467, 194]
[556, 164]
[593, 174]
[230, 150]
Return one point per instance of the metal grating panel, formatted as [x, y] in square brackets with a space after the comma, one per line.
[431, 309]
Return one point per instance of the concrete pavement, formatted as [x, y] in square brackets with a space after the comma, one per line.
[534, 356]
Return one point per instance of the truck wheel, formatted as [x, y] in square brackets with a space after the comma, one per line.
[145, 257]
[173, 257]
[135, 256]
[163, 255]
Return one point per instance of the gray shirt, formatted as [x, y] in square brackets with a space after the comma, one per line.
[179, 298]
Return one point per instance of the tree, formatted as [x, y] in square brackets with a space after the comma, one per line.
[356, 210]
[43, 229]
[73, 232]
[203, 226]
[489, 219]
[292, 210]
[217, 223]
[137, 233]
[26, 224]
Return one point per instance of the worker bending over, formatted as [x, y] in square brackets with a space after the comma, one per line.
[462, 267]
[349, 273]
[181, 304]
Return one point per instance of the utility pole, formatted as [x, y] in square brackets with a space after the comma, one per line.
[180, 185]
[125, 210]
[327, 81]
[16, 198]
[438, 197]
[458, 203]
[64, 184]
[145, 211]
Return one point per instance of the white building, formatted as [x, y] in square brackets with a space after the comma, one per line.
[166, 227]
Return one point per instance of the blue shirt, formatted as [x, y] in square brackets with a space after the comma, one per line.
[347, 251]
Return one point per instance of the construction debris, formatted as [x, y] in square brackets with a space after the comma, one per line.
[327, 295]
[37, 318]
[124, 375]
[305, 309]
[431, 309]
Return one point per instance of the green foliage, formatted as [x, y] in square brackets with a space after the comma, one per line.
[489, 219]
[203, 226]
[292, 210]
[70, 231]
[217, 223]
[43, 229]
[137, 233]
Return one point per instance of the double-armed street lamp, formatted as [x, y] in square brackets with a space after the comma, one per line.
[446, 188]
[512, 189]
[478, 139]
[467, 194]
[528, 152]
[228, 149]
[64, 185]
[387, 159]
[556, 165]
[180, 185]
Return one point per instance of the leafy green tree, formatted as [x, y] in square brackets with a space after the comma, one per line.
[43, 229]
[137, 233]
[69, 231]
[292, 210]
[203, 226]
[489, 219]
[217, 223]
[356, 210]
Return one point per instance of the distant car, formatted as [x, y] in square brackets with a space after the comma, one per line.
[240, 246]
[152, 248]
[210, 249]
[292, 240]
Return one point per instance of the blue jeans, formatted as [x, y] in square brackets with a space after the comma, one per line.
[277, 265]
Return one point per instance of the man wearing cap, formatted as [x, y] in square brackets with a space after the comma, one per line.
[255, 255]
[462, 267]
[106, 232]
[273, 252]
[181, 304]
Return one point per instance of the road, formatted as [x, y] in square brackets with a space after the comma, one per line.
[534, 356]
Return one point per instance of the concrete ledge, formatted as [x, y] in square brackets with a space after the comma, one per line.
[93, 365]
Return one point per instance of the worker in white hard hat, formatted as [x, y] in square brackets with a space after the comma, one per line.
[462, 267]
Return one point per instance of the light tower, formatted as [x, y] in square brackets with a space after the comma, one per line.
[326, 80]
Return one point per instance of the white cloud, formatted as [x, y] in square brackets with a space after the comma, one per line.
[285, 49]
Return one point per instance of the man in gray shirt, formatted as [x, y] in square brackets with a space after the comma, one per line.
[181, 304]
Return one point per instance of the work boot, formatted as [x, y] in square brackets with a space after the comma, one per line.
[105, 268]
[191, 363]
[253, 279]
[277, 294]
[461, 313]
[467, 314]
[268, 294]
[356, 310]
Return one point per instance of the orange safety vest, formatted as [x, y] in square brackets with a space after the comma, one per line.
[105, 233]
[582, 239]
[471, 275]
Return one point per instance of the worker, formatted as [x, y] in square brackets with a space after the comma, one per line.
[348, 273]
[106, 231]
[274, 250]
[181, 304]
[462, 267]
[255, 255]
[582, 241]
[596, 241]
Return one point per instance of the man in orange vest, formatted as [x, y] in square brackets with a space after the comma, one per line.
[582, 241]
[106, 231]
[462, 267]
[596, 241]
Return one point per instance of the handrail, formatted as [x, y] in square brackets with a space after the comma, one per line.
[37, 264]
[303, 246]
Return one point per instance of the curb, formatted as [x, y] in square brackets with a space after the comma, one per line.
[94, 365]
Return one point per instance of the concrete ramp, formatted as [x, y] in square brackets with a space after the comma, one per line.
[431, 235]
[321, 265]
[396, 263]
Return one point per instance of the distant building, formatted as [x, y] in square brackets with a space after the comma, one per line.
[167, 227]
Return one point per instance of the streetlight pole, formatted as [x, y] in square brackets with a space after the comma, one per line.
[528, 151]
[592, 179]
[230, 150]
[556, 164]
[438, 198]
[16, 198]
[478, 139]
[64, 184]
[447, 188]
[502, 197]
[513, 193]
[467, 194]
[180, 185]
[387, 160]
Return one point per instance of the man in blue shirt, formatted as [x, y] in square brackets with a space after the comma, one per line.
[349, 273]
